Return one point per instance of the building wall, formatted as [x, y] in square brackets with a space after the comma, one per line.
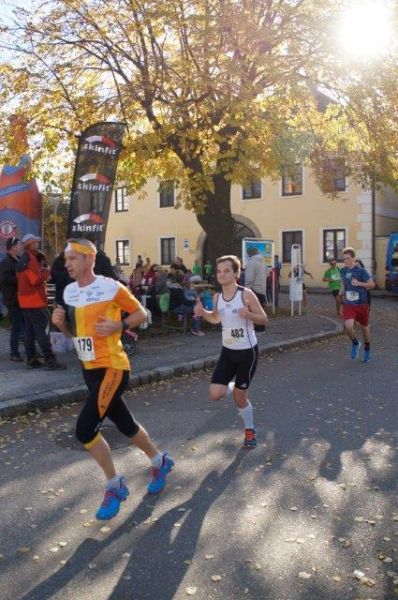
[311, 212]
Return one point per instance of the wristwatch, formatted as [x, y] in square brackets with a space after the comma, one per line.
[125, 326]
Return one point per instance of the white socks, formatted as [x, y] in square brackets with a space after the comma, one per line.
[247, 415]
[114, 482]
[157, 460]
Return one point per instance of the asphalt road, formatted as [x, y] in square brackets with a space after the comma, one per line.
[290, 520]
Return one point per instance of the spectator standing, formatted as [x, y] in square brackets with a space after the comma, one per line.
[103, 265]
[140, 263]
[60, 278]
[136, 279]
[208, 271]
[332, 277]
[9, 290]
[32, 274]
[117, 269]
[278, 271]
[196, 268]
[256, 278]
[273, 286]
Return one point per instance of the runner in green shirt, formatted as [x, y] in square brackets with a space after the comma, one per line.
[333, 277]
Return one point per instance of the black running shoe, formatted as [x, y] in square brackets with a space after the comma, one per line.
[34, 363]
[52, 364]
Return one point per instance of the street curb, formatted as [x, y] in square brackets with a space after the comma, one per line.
[58, 397]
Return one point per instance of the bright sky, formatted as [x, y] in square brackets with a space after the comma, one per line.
[366, 28]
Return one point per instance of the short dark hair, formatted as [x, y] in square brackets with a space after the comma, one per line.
[350, 251]
[11, 242]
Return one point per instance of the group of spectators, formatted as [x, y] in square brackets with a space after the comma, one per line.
[24, 273]
[150, 282]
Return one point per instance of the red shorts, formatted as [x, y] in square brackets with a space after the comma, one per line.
[358, 312]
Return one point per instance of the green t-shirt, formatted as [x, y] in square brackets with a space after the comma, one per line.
[208, 269]
[196, 269]
[333, 273]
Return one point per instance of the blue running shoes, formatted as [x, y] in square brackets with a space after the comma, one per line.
[366, 355]
[250, 438]
[111, 503]
[158, 480]
[355, 350]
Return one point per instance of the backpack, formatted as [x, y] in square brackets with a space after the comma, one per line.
[164, 302]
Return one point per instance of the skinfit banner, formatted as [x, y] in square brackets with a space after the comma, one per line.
[93, 179]
[20, 203]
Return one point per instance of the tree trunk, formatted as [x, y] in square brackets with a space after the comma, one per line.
[217, 221]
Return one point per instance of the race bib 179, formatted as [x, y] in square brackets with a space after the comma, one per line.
[85, 348]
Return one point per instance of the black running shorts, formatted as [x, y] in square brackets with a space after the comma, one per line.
[105, 389]
[240, 364]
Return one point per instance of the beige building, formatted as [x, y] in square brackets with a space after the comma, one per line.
[288, 210]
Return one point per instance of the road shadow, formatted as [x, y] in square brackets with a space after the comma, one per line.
[161, 558]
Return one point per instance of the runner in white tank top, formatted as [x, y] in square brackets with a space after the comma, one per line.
[238, 310]
[237, 333]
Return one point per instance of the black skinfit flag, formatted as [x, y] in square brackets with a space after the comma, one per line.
[93, 179]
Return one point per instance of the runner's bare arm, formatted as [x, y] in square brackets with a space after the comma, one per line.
[368, 285]
[253, 309]
[59, 320]
[105, 327]
[211, 316]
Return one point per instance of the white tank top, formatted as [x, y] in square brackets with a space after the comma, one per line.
[237, 333]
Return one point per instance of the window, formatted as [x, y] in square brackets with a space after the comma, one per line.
[121, 200]
[167, 250]
[334, 176]
[166, 194]
[292, 184]
[123, 251]
[252, 190]
[333, 244]
[288, 239]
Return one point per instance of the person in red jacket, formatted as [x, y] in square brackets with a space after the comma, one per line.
[32, 274]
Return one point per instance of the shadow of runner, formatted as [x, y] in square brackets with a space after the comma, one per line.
[159, 563]
[158, 560]
[87, 552]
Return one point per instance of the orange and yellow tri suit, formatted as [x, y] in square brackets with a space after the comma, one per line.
[106, 367]
[107, 298]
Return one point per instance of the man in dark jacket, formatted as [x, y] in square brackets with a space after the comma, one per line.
[9, 290]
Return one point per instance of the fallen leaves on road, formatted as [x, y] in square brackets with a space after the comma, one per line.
[191, 591]
[304, 575]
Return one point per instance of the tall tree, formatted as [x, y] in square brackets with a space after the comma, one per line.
[213, 92]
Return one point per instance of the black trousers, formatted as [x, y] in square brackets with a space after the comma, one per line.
[37, 328]
[17, 327]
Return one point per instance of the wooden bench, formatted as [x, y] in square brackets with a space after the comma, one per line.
[169, 320]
